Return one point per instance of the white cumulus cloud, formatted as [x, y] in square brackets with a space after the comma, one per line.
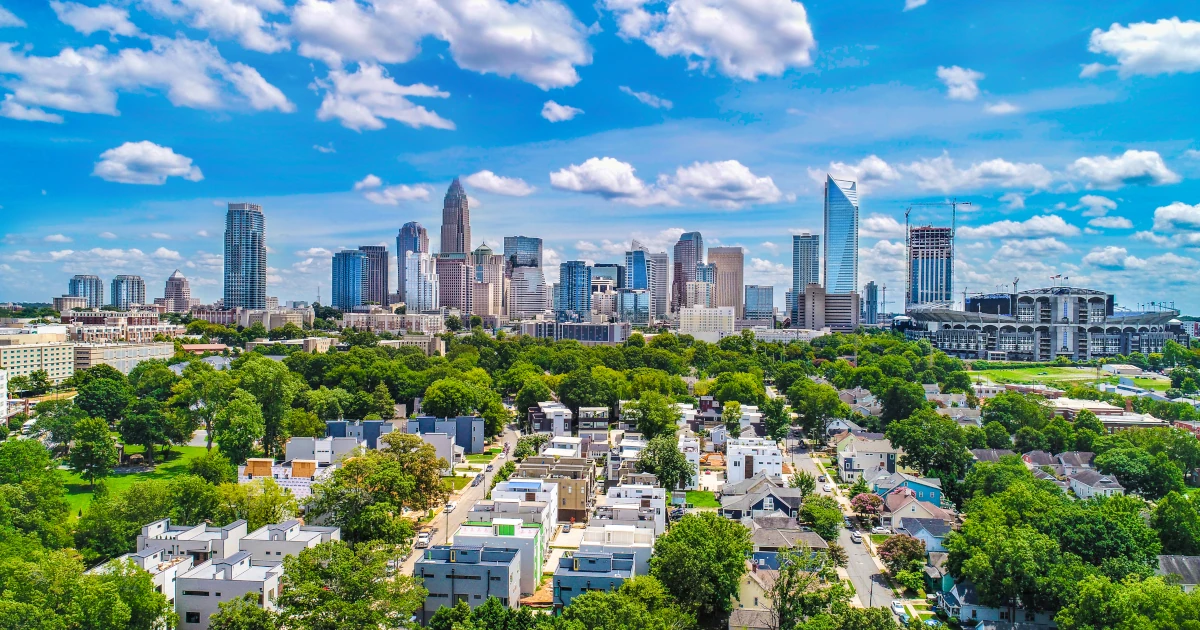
[877, 225]
[361, 99]
[1177, 216]
[1001, 108]
[962, 84]
[558, 113]
[88, 20]
[1096, 205]
[370, 181]
[609, 178]
[940, 173]
[1163, 47]
[1014, 200]
[144, 163]
[243, 20]
[909, 5]
[1130, 168]
[868, 171]
[744, 39]
[647, 98]
[58, 238]
[488, 181]
[539, 41]
[1113, 222]
[88, 80]
[1110, 257]
[1033, 227]
[162, 253]
[377, 193]
[728, 183]
[7, 19]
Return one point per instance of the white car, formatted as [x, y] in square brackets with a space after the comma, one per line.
[423, 540]
[827, 487]
[879, 529]
[450, 507]
[898, 607]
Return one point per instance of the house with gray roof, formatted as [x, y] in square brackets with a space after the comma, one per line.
[1186, 568]
[1092, 483]
[761, 501]
[931, 531]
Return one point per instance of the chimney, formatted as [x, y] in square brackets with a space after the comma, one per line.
[1128, 405]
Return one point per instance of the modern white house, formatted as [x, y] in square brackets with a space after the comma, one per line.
[541, 490]
[506, 533]
[635, 504]
[614, 538]
[689, 445]
[200, 591]
[746, 457]
[270, 543]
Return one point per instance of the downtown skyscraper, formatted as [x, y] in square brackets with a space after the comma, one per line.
[841, 235]
[245, 257]
[688, 254]
[88, 287]
[128, 290]
[930, 266]
[350, 273]
[456, 221]
[729, 264]
[806, 265]
[412, 238]
[177, 293]
[574, 292]
[375, 285]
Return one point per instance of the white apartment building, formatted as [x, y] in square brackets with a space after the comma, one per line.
[200, 592]
[121, 356]
[564, 446]
[626, 453]
[552, 417]
[689, 445]
[269, 544]
[57, 359]
[614, 538]
[164, 570]
[746, 457]
[531, 490]
[380, 320]
[543, 513]
[706, 323]
[503, 533]
[631, 503]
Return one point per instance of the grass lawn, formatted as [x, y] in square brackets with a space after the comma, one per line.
[79, 495]
[483, 458]
[879, 538]
[702, 499]
[1039, 375]
[1155, 384]
[457, 483]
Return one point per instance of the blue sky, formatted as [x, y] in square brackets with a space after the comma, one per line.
[1070, 127]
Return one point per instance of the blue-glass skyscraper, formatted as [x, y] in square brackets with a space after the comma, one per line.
[841, 235]
[350, 275]
[87, 286]
[706, 273]
[760, 302]
[612, 271]
[245, 257]
[574, 302]
[522, 251]
[412, 238]
[806, 264]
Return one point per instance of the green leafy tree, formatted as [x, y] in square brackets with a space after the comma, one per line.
[731, 417]
[931, 443]
[213, 467]
[202, 393]
[775, 418]
[145, 423]
[454, 323]
[301, 423]
[58, 417]
[666, 462]
[1015, 410]
[997, 436]
[742, 387]
[533, 391]
[239, 425]
[815, 405]
[334, 586]
[899, 400]
[823, 514]
[385, 405]
[1177, 522]
[244, 613]
[1030, 439]
[805, 586]
[700, 561]
[449, 398]
[1152, 476]
[653, 414]
[94, 454]
[902, 553]
[105, 398]
[32, 497]
[260, 503]
[274, 387]
[803, 481]
[39, 382]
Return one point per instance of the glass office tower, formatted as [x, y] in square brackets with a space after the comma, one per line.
[841, 235]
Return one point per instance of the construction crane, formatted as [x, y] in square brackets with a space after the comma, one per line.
[953, 204]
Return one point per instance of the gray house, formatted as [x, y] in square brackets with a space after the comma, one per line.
[467, 431]
[365, 431]
[458, 573]
[590, 571]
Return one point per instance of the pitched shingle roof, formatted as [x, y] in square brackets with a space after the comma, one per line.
[990, 454]
[1186, 567]
[1095, 479]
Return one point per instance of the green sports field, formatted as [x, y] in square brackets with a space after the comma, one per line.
[1050, 375]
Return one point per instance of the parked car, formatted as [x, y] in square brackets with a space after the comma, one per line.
[933, 623]
[827, 487]
[880, 529]
[566, 528]
[849, 522]
[903, 617]
[821, 478]
[450, 507]
[856, 537]
[897, 607]
[478, 480]
[490, 468]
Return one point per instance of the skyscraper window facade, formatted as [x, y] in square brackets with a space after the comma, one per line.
[806, 263]
[421, 282]
[378, 274]
[350, 276]
[456, 221]
[730, 264]
[177, 293]
[760, 302]
[574, 292]
[522, 251]
[660, 286]
[612, 271]
[412, 238]
[930, 265]
[245, 257]
[706, 273]
[89, 287]
[634, 306]
[871, 303]
[527, 292]
[456, 281]
[127, 291]
[841, 235]
[688, 253]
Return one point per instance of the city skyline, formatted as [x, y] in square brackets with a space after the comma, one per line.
[1076, 164]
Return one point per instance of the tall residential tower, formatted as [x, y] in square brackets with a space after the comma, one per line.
[411, 238]
[88, 287]
[245, 257]
[841, 235]
[689, 252]
[930, 266]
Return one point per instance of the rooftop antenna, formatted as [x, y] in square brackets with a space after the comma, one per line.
[1015, 281]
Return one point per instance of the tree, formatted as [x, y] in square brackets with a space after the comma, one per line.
[700, 561]
[449, 398]
[385, 406]
[239, 424]
[899, 400]
[260, 503]
[931, 443]
[666, 462]
[148, 609]
[18, 384]
[1086, 419]
[202, 393]
[105, 398]
[859, 487]
[214, 468]
[1153, 603]
[39, 382]
[731, 416]
[803, 481]
[454, 323]
[775, 418]
[333, 586]
[743, 387]
[243, 613]
[145, 423]
[823, 514]
[867, 504]
[94, 454]
[902, 553]
[274, 387]
[1030, 439]
[1152, 476]
[798, 592]
[1177, 522]
[997, 436]
[301, 423]
[1015, 410]
[58, 417]
[814, 405]
[533, 391]
[653, 414]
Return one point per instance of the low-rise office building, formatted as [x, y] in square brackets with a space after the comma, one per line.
[461, 573]
[504, 533]
[587, 571]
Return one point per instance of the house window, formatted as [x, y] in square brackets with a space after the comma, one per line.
[191, 617]
[769, 504]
